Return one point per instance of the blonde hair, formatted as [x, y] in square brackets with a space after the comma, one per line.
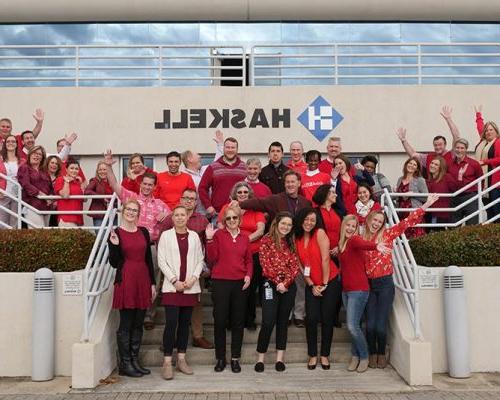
[343, 239]
[131, 201]
[486, 125]
[236, 210]
[367, 235]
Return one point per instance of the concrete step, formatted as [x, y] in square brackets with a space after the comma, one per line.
[208, 318]
[295, 335]
[296, 353]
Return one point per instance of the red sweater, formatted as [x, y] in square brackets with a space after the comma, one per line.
[75, 188]
[279, 265]
[220, 177]
[134, 185]
[260, 190]
[311, 183]
[169, 188]
[352, 264]
[231, 258]
[331, 222]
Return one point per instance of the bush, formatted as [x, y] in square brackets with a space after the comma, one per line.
[468, 246]
[61, 250]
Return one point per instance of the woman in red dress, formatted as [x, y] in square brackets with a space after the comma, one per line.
[130, 254]
[180, 257]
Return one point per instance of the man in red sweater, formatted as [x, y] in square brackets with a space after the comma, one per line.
[296, 161]
[260, 190]
[172, 183]
[220, 177]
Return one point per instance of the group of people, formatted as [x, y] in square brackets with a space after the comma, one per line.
[304, 237]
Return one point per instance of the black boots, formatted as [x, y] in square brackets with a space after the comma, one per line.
[125, 366]
[135, 345]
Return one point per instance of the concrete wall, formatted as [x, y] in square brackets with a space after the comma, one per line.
[253, 10]
[483, 298]
[16, 300]
[123, 118]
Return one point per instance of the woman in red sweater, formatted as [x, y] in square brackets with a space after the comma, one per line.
[228, 251]
[69, 185]
[322, 285]
[439, 181]
[355, 288]
[280, 266]
[135, 172]
[379, 270]
[99, 185]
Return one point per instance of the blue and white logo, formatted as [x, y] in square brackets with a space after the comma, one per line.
[320, 118]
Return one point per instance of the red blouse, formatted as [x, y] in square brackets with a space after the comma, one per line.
[379, 264]
[75, 188]
[310, 256]
[279, 264]
[332, 224]
[349, 194]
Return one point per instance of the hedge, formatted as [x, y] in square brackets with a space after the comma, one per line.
[61, 250]
[468, 246]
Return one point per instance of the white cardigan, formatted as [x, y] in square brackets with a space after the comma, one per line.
[169, 260]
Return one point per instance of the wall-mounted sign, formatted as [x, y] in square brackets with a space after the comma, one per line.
[428, 278]
[72, 285]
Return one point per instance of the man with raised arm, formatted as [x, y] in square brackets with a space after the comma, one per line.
[439, 142]
[27, 138]
[151, 215]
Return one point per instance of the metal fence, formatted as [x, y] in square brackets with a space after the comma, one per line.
[268, 65]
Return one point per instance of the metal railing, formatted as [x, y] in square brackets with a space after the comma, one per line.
[405, 267]
[375, 63]
[120, 65]
[269, 65]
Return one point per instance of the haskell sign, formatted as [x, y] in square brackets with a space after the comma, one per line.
[319, 118]
[224, 118]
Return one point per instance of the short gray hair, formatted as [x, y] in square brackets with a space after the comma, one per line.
[238, 185]
[254, 160]
[465, 142]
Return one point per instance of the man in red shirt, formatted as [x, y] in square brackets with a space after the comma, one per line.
[296, 161]
[220, 177]
[464, 170]
[172, 183]
[439, 142]
[24, 142]
[260, 190]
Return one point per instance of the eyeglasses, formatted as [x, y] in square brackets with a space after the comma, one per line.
[233, 218]
[132, 210]
[188, 198]
[242, 192]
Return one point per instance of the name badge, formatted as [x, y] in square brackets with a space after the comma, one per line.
[307, 271]
[268, 293]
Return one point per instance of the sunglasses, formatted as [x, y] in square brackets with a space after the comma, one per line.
[233, 218]
[242, 192]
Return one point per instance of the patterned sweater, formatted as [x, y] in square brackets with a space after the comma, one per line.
[279, 265]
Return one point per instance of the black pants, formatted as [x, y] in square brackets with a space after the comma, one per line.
[275, 311]
[378, 308]
[255, 284]
[176, 331]
[230, 303]
[322, 309]
[466, 210]
[131, 319]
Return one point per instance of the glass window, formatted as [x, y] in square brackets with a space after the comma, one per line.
[475, 32]
[425, 32]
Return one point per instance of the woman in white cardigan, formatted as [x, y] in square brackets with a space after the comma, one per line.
[180, 257]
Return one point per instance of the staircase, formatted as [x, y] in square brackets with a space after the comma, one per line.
[296, 351]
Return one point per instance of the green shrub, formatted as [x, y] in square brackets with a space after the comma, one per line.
[61, 250]
[468, 246]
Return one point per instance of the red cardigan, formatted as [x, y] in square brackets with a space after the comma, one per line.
[231, 259]
[352, 264]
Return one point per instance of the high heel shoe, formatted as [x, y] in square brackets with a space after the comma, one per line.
[311, 366]
[325, 366]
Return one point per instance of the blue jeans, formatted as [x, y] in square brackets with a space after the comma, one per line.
[377, 313]
[355, 303]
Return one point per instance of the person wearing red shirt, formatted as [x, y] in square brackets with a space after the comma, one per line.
[346, 183]
[439, 181]
[355, 287]
[296, 161]
[254, 167]
[220, 177]
[228, 251]
[365, 204]
[313, 178]
[172, 183]
[488, 154]
[35, 181]
[280, 266]
[24, 145]
[464, 170]
[252, 224]
[322, 286]
[99, 185]
[379, 269]
[66, 186]
[135, 171]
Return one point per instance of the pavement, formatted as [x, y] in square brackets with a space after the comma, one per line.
[293, 384]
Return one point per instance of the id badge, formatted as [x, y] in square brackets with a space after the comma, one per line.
[307, 271]
[268, 293]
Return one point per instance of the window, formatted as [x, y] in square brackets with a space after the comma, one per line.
[148, 162]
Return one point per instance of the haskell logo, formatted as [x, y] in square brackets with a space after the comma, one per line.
[320, 118]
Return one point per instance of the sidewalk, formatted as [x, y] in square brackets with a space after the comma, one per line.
[294, 384]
